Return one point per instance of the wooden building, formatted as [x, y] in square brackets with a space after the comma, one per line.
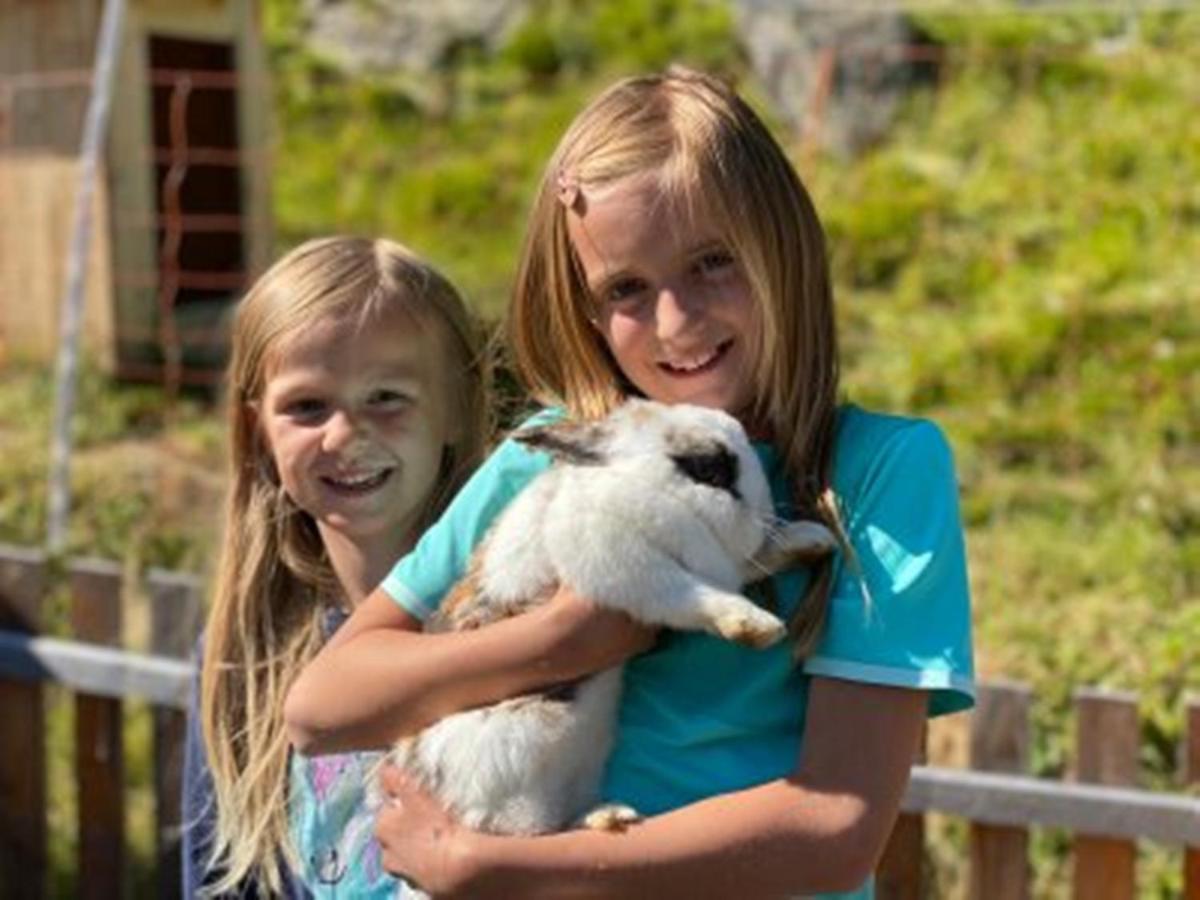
[182, 210]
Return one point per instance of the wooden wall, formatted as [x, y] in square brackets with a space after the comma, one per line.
[132, 183]
[40, 133]
[37, 196]
[40, 36]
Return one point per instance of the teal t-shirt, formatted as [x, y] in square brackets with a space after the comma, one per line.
[700, 716]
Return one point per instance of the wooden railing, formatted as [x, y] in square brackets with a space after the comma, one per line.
[1102, 806]
[101, 677]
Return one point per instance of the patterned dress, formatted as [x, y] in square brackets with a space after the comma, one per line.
[331, 813]
[333, 820]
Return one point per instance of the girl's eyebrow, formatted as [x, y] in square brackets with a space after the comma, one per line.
[314, 379]
[293, 390]
[713, 243]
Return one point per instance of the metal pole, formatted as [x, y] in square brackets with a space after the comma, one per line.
[71, 313]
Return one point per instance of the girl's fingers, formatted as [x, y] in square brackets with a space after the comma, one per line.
[407, 802]
[590, 638]
[414, 832]
[392, 779]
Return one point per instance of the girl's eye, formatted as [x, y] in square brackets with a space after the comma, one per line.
[389, 400]
[306, 408]
[715, 262]
[624, 292]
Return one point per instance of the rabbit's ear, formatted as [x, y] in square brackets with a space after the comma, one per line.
[570, 442]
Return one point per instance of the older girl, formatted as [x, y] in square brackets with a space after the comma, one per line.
[673, 253]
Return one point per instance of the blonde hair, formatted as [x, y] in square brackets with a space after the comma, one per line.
[274, 581]
[709, 151]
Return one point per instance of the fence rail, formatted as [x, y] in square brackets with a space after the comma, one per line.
[95, 670]
[1101, 807]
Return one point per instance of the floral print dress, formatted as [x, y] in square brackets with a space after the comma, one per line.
[333, 823]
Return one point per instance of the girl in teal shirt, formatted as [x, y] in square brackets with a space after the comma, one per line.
[673, 253]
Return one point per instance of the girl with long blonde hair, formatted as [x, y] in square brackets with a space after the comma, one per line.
[673, 253]
[356, 407]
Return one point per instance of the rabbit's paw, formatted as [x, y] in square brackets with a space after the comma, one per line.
[795, 544]
[753, 629]
[611, 817]
[807, 538]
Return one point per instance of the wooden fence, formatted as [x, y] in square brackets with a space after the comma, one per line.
[101, 677]
[1102, 807]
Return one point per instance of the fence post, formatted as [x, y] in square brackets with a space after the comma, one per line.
[99, 761]
[1000, 741]
[174, 618]
[1106, 753]
[898, 876]
[23, 832]
[1191, 778]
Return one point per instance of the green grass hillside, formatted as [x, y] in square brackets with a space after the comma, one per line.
[1017, 260]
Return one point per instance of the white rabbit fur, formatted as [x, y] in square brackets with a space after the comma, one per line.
[619, 518]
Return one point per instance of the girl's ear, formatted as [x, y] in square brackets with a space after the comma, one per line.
[453, 426]
[252, 422]
[258, 445]
[577, 444]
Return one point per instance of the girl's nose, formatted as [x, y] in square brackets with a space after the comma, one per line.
[341, 430]
[673, 312]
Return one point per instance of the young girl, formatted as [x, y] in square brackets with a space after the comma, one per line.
[356, 408]
[673, 253]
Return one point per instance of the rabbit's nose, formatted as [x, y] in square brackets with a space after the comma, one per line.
[716, 468]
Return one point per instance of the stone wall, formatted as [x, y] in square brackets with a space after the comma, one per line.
[787, 41]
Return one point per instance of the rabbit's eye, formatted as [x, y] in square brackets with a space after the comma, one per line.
[716, 468]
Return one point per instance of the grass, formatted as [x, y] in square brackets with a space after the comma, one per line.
[1015, 260]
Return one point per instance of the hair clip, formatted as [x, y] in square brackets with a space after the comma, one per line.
[568, 190]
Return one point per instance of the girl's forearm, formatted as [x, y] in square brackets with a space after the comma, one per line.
[777, 840]
[381, 683]
[822, 828]
[380, 677]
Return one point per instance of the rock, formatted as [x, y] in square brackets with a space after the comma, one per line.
[838, 75]
[411, 36]
[835, 74]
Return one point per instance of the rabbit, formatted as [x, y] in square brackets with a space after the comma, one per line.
[660, 511]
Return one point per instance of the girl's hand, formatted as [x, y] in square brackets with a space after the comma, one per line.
[586, 638]
[420, 841]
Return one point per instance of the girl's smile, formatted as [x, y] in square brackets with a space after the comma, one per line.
[697, 365]
[669, 297]
[358, 484]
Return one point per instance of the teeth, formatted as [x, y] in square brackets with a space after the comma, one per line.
[353, 481]
[694, 362]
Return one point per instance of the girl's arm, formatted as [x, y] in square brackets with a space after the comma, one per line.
[380, 676]
[821, 829]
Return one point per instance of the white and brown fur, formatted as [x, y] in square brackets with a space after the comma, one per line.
[660, 511]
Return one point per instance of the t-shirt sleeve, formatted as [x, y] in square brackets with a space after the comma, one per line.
[420, 580]
[900, 614]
